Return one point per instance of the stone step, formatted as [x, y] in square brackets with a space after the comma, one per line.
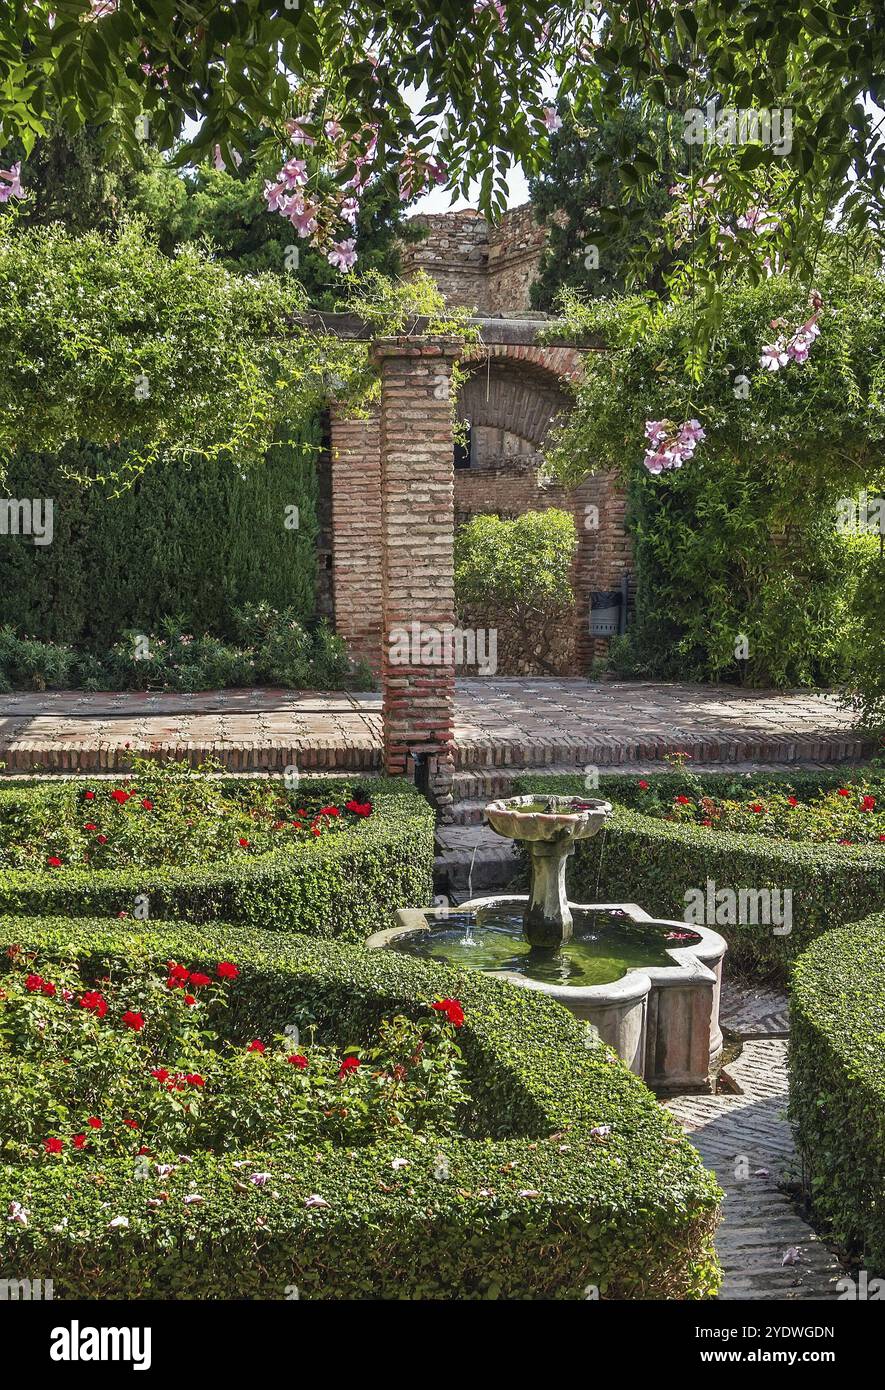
[472, 858]
[552, 751]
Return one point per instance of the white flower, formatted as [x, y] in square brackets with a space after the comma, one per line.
[119, 1223]
[314, 1200]
[601, 1131]
[164, 1169]
[399, 1163]
[193, 1199]
[260, 1179]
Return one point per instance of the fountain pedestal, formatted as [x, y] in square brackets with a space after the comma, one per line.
[547, 920]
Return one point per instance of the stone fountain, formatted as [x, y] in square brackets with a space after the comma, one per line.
[647, 986]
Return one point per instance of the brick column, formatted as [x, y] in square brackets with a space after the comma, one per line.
[605, 554]
[356, 534]
[417, 509]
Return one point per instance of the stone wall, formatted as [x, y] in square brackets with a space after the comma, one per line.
[477, 266]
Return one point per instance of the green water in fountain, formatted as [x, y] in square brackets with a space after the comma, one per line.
[603, 948]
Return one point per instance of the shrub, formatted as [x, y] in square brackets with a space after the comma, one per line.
[337, 884]
[566, 1172]
[653, 862]
[514, 576]
[837, 1084]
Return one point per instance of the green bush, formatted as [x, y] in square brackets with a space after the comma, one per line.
[837, 1084]
[514, 576]
[653, 862]
[340, 885]
[566, 1172]
[193, 542]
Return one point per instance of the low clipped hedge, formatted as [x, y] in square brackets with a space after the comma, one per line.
[337, 886]
[837, 1084]
[534, 1205]
[653, 862]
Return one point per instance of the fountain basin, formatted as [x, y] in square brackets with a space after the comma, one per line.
[656, 996]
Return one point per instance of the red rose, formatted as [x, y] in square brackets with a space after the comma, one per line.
[868, 803]
[148, 805]
[177, 972]
[194, 1079]
[54, 862]
[244, 844]
[452, 1010]
[349, 1064]
[359, 808]
[682, 800]
[94, 1002]
[190, 999]
[131, 1124]
[160, 1074]
[298, 1061]
[226, 971]
[643, 785]
[34, 983]
[79, 1141]
[89, 826]
[843, 791]
[330, 811]
[133, 1020]
[757, 808]
[89, 796]
[53, 1146]
[793, 800]
[102, 839]
[199, 981]
[255, 1046]
[120, 796]
[94, 1122]
[47, 987]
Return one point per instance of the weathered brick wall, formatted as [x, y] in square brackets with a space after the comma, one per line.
[477, 266]
[417, 493]
[356, 534]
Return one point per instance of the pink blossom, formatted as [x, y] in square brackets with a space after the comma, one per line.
[334, 130]
[276, 197]
[102, 8]
[12, 188]
[296, 129]
[293, 174]
[774, 356]
[496, 5]
[342, 255]
[302, 215]
[350, 210]
[552, 119]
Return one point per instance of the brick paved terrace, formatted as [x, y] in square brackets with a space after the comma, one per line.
[500, 723]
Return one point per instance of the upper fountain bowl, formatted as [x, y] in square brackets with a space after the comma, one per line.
[548, 818]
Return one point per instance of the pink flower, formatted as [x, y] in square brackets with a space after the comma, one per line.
[296, 130]
[552, 119]
[342, 255]
[302, 215]
[12, 188]
[334, 130]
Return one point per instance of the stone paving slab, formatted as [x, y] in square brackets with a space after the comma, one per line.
[765, 1248]
[499, 723]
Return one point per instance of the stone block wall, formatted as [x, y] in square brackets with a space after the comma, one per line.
[477, 266]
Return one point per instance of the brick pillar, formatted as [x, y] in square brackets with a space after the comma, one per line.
[417, 509]
[356, 534]
[605, 554]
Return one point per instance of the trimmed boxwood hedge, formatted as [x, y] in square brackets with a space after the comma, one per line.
[652, 862]
[534, 1206]
[341, 885]
[837, 1084]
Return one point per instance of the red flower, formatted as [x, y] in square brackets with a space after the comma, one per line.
[102, 839]
[349, 1064]
[90, 826]
[194, 1079]
[757, 808]
[199, 981]
[298, 1061]
[131, 1124]
[148, 805]
[53, 1146]
[94, 1002]
[868, 803]
[330, 811]
[843, 791]
[244, 844]
[846, 842]
[79, 1141]
[177, 972]
[133, 1020]
[452, 1010]
[54, 862]
[160, 1074]
[226, 971]
[643, 785]
[94, 1122]
[34, 983]
[255, 1046]
[359, 808]
[120, 796]
[190, 999]
[47, 987]
[315, 829]
[682, 800]
[882, 837]
[793, 800]
[89, 796]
